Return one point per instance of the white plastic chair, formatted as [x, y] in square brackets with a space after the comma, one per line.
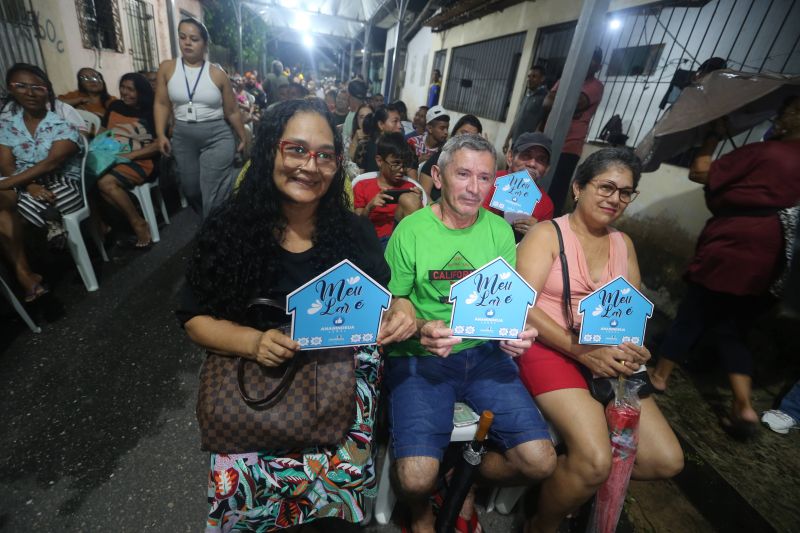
[386, 498]
[15, 303]
[143, 193]
[72, 224]
[503, 499]
[368, 175]
[91, 120]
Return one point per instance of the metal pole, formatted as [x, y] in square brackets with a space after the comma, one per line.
[587, 35]
[367, 53]
[390, 86]
[173, 40]
[239, 21]
[352, 57]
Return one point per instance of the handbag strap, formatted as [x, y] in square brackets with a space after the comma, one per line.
[288, 374]
[566, 293]
[286, 380]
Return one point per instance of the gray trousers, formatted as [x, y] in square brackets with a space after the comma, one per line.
[204, 154]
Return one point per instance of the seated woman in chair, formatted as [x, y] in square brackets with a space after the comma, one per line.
[554, 368]
[92, 94]
[39, 175]
[131, 120]
[288, 223]
[371, 196]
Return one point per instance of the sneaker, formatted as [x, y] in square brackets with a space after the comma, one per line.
[778, 421]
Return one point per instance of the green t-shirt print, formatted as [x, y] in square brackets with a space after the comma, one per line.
[426, 258]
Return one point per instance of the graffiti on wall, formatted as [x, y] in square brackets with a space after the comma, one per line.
[46, 30]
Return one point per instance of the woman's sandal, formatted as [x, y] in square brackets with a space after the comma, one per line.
[37, 291]
[737, 428]
[134, 244]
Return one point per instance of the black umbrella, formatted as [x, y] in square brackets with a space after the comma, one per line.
[463, 476]
[746, 99]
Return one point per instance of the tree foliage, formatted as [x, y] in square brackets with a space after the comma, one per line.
[220, 18]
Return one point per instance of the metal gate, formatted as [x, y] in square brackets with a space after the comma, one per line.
[142, 29]
[751, 35]
[18, 35]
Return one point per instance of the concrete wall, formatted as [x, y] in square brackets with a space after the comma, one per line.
[63, 49]
[418, 68]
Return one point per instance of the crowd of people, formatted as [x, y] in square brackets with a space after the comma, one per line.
[336, 173]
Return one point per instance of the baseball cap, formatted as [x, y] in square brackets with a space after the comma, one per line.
[526, 140]
[357, 89]
[436, 112]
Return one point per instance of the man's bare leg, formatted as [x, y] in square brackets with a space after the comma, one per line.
[416, 480]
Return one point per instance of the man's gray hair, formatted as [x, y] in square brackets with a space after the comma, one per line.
[467, 141]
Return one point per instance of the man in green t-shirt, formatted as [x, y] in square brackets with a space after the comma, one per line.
[429, 250]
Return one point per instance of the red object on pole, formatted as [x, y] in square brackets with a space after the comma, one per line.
[622, 416]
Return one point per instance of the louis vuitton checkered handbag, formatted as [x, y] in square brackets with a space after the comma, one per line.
[244, 407]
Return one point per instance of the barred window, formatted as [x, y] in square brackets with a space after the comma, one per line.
[13, 11]
[142, 32]
[482, 75]
[635, 60]
[100, 24]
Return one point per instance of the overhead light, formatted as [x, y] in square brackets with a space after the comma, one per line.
[308, 41]
[301, 22]
[614, 24]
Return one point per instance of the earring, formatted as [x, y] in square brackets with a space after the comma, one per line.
[576, 198]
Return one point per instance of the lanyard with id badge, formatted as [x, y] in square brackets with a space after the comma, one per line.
[191, 115]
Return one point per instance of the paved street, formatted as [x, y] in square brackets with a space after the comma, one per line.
[100, 432]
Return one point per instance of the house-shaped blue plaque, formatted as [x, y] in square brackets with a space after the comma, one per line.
[342, 306]
[613, 314]
[491, 303]
[516, 193]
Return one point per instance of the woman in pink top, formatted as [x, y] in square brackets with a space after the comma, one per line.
[553, 369]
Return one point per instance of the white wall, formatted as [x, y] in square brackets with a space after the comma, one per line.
[418, 68]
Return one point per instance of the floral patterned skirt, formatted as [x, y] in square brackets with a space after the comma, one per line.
[269, 490]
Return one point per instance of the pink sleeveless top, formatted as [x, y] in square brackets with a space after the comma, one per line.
[550, 299]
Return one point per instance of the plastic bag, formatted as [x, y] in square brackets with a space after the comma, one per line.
[622, 416]
[104, 153]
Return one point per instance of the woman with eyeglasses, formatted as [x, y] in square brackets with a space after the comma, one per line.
[287, 223]
[92, 94]
[556, 368]
[39, 174]
[199, 96]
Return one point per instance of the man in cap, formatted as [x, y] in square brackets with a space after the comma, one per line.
[531, 152]
[357, 95]
[437, 123]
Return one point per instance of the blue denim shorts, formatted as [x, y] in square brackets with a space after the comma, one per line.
[424, 389]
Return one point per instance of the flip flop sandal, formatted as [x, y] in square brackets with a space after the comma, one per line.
[37, 291]
[132, 243]
[737, 428]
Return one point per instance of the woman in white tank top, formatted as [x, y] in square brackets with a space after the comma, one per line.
[199, 96]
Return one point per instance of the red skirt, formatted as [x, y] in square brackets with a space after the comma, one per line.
[543, 369]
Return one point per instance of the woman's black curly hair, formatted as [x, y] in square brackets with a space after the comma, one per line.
[237, 250]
